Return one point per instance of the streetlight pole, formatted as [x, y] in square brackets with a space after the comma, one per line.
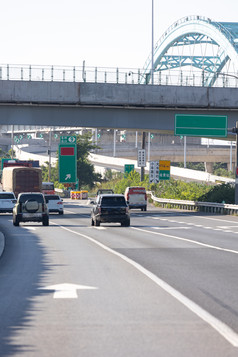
[152, 45]
[236, 182]
[235, 130]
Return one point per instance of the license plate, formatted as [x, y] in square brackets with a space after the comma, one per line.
[31, 215]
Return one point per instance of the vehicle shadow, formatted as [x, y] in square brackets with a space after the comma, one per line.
[24, 268]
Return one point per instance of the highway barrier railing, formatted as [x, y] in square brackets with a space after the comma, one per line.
[83, 73]
[209, 207]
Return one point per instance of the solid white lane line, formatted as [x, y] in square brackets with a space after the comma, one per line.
[224, 330]
[173, 228]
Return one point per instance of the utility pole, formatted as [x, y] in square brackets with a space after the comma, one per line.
[49, 153]
[152, 45]
[236, 183]
[142, 172]
[235, 130]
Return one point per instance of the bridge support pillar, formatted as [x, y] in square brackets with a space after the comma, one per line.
[209, 167]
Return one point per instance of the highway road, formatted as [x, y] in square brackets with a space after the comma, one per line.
[166, 286]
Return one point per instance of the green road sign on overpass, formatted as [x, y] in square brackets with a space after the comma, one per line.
[201, 125]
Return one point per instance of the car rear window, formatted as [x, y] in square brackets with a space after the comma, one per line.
[137, 190]
[51, 198]
[32, 197]
[113, 201]
[100, 192]
[6, 196]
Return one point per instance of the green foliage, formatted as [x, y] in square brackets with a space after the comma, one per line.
[119, 183]
[54, 174]
[220, 193]
[85, 170]
[177, 189]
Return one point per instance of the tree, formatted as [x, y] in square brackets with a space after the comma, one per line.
[85, 170]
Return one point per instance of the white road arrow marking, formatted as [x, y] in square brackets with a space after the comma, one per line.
[67, 291]
[68, 176]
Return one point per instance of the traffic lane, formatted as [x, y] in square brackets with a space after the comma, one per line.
[126, 314]
[221, 231]
[157, 346]
[206, 275]
[22, 266]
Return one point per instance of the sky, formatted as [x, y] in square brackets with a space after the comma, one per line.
[103, 33]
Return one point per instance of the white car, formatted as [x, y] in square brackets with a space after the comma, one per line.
[7, 201]
[54, 204]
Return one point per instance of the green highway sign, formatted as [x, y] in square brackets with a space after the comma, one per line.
[164, 175]
[67, 163]
[65, 139]
[128, 168]
[200, 125]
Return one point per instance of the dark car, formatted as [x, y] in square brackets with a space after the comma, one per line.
[110, 208]
[30, 207]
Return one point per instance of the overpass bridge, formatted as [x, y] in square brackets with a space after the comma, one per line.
[195, 72]
[104, 105]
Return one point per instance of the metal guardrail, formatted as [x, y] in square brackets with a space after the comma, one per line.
[88, 74]
[210, 207]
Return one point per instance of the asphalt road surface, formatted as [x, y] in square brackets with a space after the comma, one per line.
[165, 286]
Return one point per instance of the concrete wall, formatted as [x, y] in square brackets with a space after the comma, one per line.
[117, 94]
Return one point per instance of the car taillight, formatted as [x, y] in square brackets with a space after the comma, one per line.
[127, 209]
[43, 207]
[127, 196]
[59, 203]
[146, 196]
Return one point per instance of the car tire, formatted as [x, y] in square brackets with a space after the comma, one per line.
[16, 221]
[45, 221]
[61, 212]
[125, 223]
[97, 223]
[92, 222]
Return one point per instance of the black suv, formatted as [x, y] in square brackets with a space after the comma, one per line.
[30, 207]
[110, 208]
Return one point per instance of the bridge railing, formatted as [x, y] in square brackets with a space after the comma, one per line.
[111, 75]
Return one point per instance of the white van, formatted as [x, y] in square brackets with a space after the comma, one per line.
[136, 197]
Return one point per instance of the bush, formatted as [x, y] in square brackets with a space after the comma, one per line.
[220, 193]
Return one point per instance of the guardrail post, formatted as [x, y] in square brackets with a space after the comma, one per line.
[117, 75]
[96, 74]
[30, 73]
[74, 74]
[42, 74]
[7, 71]
[52, 73]
[83, 72]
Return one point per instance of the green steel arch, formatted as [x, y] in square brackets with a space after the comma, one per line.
[216, 44]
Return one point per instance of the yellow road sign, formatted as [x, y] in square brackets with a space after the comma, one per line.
[164, 165]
